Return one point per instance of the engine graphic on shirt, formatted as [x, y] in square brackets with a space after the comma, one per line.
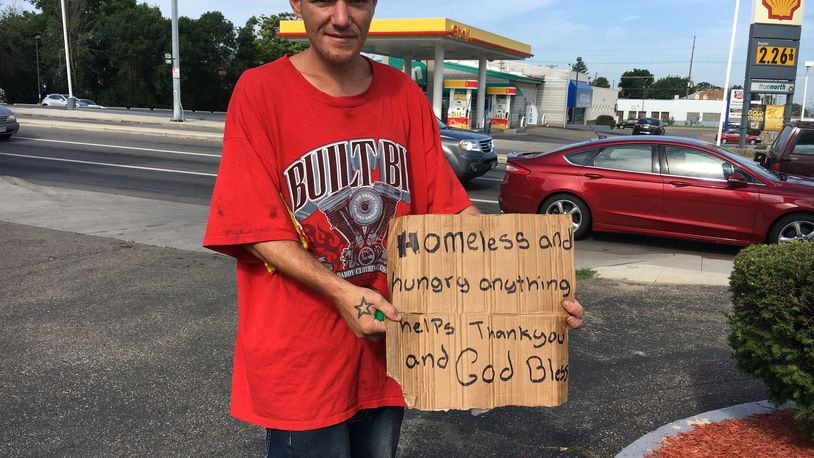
[357, 185]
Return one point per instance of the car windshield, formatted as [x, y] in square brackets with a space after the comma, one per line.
[782, 138]
[747, 164]
[441, 124]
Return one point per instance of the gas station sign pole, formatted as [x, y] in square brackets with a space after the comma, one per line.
[771, 62]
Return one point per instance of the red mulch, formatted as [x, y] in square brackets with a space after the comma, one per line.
[775, 434]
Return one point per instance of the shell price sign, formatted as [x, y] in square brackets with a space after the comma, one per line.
[785, 12]
[480, 297]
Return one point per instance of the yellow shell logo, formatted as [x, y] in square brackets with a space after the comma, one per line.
[782, 9]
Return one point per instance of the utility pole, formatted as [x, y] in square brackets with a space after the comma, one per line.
[177, 115]
[689, 76]
[37, 53]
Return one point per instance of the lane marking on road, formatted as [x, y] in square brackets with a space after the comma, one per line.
[488, 179]
[152, 169]
[105, 164]
[134, 148]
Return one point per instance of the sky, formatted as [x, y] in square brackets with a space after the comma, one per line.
[611, 36]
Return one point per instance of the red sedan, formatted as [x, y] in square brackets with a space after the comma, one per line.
[734, 136]
[661, 186]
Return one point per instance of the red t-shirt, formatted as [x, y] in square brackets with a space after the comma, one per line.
[344, 166]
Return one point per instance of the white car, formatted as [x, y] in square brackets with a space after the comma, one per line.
[55, 100]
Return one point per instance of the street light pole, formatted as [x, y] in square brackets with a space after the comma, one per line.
[177, 114]
[808, 64]
[37, 53]
[71, 101]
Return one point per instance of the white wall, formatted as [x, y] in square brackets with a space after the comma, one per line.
[680, 111]
[604, 103]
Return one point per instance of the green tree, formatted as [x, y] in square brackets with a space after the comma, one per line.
[247, 53]
[634, 83]
[270, 45]
[18, 54]
[703, 86]
[207, 49]
[81, 18]
[668, 87]
[600, 81]
[129, 46]
[579, 66]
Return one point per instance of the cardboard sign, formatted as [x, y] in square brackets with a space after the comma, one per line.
[481, 300]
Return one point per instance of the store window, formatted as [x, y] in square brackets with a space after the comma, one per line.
[711, 117]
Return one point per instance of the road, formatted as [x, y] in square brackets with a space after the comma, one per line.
[172, 169]
[157, 190]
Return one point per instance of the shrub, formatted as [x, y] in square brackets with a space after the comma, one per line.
[772, 323]
[605, 120]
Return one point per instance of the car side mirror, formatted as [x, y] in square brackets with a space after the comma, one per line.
[737, 180]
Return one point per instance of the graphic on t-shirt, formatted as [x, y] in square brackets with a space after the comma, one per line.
[357, 186]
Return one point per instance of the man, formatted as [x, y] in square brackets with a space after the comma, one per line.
[321, 150]
[487, 122]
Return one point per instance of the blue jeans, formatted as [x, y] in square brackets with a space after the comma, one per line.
[369, 433]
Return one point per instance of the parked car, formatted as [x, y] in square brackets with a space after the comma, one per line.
[626, 123]
[792, 151]
[470, 154]
[734, 136]
[8, 123]
[661, 186]
[648, 126]
[55, 100]
[87, 103]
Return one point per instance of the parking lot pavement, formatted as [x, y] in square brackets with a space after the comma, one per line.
[115, 348]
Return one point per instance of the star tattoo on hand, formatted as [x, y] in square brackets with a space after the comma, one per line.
[364, 308]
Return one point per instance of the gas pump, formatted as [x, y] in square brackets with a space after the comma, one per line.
[501, 98]
[459, 112]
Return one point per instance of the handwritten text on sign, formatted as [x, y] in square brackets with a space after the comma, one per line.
[481, 299]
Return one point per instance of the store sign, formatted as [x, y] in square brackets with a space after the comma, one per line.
[461, 32]
[785, 12]
[756, 116]
[771, 87]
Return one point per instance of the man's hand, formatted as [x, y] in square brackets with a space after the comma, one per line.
[575, 312]
[358, 308]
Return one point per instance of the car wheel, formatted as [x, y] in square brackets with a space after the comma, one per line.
[5, 137]
[567, 204]
[797, 226]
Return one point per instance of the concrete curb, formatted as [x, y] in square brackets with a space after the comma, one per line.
[650, 442]
[662, 275]
[143, 130]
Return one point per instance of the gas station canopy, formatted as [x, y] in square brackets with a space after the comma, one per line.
[435, 39]
[416, 39]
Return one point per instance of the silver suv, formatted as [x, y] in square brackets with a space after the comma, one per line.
[470, 154]
[55, 100]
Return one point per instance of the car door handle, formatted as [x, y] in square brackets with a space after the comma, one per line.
[594, 176]
[679, 184]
